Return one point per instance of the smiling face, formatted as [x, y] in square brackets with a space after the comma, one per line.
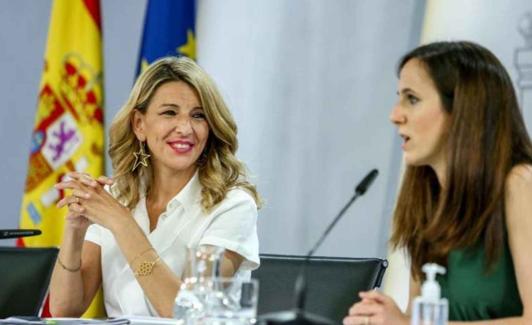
[420, 117]
[174, 127]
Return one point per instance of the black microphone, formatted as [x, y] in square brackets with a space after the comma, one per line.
[16, 233]
[299, 316]
[364, 184]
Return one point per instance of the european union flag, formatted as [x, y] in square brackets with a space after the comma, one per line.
[169, 29]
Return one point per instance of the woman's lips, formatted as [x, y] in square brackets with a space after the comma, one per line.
[181, 146]
[405, 140]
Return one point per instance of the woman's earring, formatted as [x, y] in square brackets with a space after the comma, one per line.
[141, 157]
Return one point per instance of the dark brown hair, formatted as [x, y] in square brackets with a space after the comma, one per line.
[487, 137]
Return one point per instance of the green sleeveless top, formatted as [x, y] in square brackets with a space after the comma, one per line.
[474, 294]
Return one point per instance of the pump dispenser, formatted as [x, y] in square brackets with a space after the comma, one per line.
[430, 308]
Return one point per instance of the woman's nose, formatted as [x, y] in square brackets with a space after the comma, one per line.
[183, 125]
[397, 116]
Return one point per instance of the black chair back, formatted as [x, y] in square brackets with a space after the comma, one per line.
[333, 283]
[24, 278]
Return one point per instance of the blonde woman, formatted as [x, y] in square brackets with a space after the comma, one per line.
[176, 184]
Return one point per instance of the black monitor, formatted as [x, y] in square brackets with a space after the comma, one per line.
[24, 278]
[333, 283]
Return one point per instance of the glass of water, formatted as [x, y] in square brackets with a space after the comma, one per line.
[231, 301]
[203, 264]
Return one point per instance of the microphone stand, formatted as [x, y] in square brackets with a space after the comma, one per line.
[298, 316]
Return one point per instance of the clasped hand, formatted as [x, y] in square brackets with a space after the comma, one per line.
[375, 308]
[89, 202]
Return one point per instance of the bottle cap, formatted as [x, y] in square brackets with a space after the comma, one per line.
[430, 290]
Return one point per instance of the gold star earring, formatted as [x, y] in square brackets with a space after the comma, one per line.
[141, 157]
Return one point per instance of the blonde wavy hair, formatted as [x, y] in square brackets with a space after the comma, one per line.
[219, 170]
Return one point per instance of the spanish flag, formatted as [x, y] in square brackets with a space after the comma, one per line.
[169, 29]
[68, 131]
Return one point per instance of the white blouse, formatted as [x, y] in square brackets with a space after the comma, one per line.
[232, 224]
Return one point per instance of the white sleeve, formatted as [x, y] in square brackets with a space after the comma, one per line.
[94, 234]
[234, 227]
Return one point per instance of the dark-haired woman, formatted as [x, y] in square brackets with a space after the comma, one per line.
[466, 196]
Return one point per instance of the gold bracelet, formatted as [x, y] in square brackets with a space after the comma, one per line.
[146, 268]
[67, 268]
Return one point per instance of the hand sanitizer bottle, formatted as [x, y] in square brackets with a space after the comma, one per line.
[430, 308]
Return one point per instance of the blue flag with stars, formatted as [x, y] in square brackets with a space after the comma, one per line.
[169, 29]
